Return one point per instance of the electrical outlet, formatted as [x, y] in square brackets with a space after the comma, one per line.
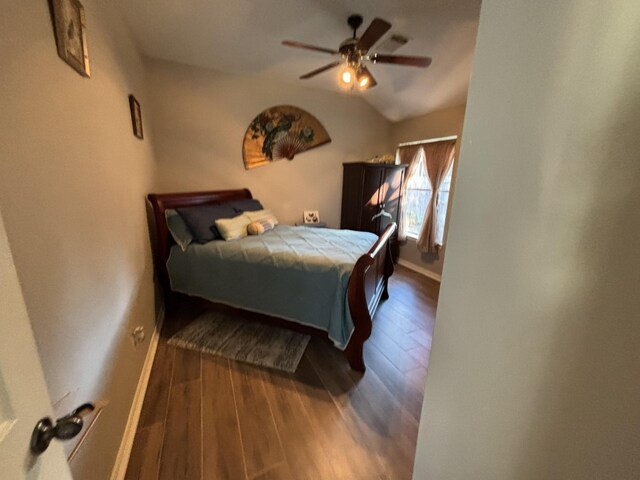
[138, 336]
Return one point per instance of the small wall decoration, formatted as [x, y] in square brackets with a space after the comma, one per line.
[71, 34]
[311, 216]
[136, 116]
[281, 132]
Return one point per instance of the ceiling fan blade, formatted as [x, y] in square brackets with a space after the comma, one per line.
[373, 33]
[423, 62]
[319, 70]
[290, 43]
[372, 80]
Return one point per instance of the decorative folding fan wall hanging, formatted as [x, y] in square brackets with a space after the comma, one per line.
[281, 132]
[355, 55]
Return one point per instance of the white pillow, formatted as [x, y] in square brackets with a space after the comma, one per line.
[262, 215]
[233, 228]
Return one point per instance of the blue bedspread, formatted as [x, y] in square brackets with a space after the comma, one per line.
[296, 273]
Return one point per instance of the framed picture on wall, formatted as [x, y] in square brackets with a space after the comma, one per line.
[136, 116]
[71, 34]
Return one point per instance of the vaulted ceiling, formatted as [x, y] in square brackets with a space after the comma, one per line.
[244, 37]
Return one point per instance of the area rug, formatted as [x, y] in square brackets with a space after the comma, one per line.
[251, 342]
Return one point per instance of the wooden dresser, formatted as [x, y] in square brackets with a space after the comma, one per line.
[371, 198]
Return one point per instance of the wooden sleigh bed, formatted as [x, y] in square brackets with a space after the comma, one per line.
[367, 285]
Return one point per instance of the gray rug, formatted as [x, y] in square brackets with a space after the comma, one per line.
[251, 342]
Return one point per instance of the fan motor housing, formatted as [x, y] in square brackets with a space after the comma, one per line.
[348, 46]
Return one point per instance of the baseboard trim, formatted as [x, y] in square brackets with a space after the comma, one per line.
[420, 270]
[124, 452]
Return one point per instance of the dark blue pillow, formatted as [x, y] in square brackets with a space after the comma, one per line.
[201, 220]
[246, 205]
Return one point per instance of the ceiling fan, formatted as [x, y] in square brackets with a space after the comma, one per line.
[355, 54]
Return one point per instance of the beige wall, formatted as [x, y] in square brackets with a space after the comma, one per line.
[200, 118]
[535, 360]
[443, 123]
[72, 185]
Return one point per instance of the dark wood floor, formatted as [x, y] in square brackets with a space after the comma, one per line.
[205, 417]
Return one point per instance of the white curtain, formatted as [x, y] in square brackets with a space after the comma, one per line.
[413, 155]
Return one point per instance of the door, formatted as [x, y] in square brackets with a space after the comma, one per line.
[23, 395]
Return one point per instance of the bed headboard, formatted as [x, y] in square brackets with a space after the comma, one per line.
[161, 239]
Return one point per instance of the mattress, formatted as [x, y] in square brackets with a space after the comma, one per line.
[296, 273]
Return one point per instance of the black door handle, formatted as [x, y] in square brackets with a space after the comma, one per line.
[65, 428]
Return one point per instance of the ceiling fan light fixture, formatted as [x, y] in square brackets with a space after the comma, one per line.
[363, 81]
[347, 76]
[355, 55]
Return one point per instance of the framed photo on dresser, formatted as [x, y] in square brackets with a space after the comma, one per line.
[311, 216]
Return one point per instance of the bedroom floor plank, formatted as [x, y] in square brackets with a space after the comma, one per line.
[406, 342]
[260, 441]
[222, 455]
[145, 457]
[373, 416]
[186, 366]
[324, 421]
[350, 459]
[406, 392]
[182, 447]
[154, 408]
[279, 472]
[400, 358]
[305, 455]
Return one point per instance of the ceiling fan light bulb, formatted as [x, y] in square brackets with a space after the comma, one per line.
[363, 82]
[346, 76]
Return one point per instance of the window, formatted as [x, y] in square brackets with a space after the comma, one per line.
[417, 195]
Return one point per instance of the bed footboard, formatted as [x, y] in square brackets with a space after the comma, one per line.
[367, 285]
